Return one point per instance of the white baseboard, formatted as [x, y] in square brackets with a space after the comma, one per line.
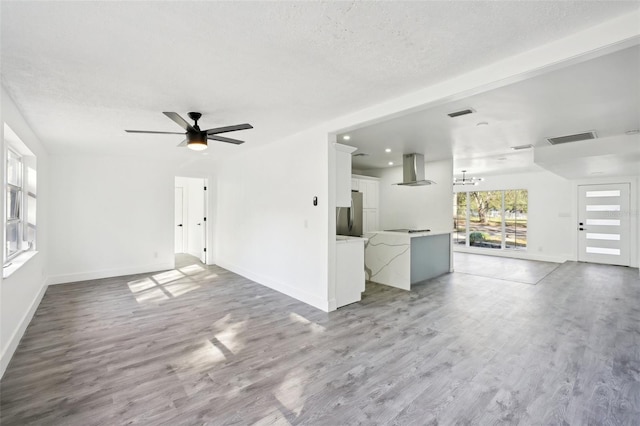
[7, 354]
[108, 273]
[303, 296]
[512, 254]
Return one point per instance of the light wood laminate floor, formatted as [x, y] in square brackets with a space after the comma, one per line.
[502, 268]
[201, 345]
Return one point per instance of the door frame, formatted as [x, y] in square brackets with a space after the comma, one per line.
[207, 256]
[623, 203]
[182, 209]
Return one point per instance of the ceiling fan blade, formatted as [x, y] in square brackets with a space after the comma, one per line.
[183, 143]
[158, 133]
[229, 129]
[223, 139]
[180, 121]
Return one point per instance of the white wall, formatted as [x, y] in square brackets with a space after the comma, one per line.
[420, 207]
[21, 293]
[268, 228]
[550, 218]
[112, 216]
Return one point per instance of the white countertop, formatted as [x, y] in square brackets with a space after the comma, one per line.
[343, 239]
[415, 234]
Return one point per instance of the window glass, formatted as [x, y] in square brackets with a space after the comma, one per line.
[13, 232]
[485, 220]
[460, 218]
[13, 203]
[14, 169]
[516, 205]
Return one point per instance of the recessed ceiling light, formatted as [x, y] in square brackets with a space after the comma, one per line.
[391, 163]
[632, 132]
[387, 150]
[482, 123]
[346, 137]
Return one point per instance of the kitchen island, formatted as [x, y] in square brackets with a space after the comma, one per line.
[399, 259]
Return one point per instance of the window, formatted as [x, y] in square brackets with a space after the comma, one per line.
[20, 189]
[491, 219]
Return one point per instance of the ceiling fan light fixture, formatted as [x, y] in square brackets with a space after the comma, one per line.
[197, 142]
[197, 146]
[196, 139]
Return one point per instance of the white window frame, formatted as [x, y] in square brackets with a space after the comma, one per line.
[27, 190]
[19, 219]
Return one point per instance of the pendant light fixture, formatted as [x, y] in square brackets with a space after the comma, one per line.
[466, 181]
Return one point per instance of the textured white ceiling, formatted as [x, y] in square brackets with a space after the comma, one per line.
[81, 72]
[601, 94]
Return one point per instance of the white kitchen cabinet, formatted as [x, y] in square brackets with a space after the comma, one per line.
[343, 174]
[369, 220]
[350, 276]
[370, 188]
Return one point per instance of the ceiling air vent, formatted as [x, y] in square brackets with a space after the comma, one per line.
[573, 138]
[461, 112]
[360, 154]
[521, 147]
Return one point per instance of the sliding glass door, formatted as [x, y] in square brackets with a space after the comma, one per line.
[495, 220]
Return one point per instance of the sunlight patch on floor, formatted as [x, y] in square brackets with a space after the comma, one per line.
[191, 269]
[203, 355]
[161, 287]
[167, 277]
[229, 336]
[315, 328]
[151, 296]
[141, 285]
[179, 288]
[290, 393]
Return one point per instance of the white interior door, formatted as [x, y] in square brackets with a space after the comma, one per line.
[179, 221]
[196, 222]
[603, 224]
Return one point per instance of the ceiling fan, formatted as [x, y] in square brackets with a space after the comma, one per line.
[196, 139]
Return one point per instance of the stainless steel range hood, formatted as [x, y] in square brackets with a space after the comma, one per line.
[413, 171]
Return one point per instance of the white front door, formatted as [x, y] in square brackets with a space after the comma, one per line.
[178, 222]
[603, 224]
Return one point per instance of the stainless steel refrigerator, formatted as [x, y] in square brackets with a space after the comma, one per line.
[349, 219]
